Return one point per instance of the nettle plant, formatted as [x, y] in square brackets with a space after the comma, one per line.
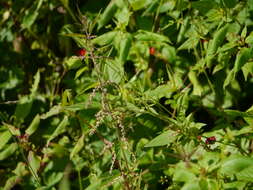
[158, 97]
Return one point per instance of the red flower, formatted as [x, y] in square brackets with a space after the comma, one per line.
[152, 51]
[81, 52]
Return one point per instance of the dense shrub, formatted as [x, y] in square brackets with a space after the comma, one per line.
[126, 94]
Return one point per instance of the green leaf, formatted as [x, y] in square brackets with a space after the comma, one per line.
[235, 185]
[55, 110]
[164, 90]
[190, 43]
[53, 178]
[35, 85]
[125, 45]
[8, 151]
[20, 169]
[151, 36]
[105, 39]
[29, 18]
[123, 16]
[183, 29]
[5, 137]
[75, 107]
[235, 164]
[191, 186]
[230, 78]
[246, 174]
[203, 6]
[11, 182]
[73, 62]
[79, 145]
[183, 175]
[34, 125]
[216, 42]
[247, 69]
[23, 108]
[114, 71]
[60, 129]
[81, 71]
[236, 113]
[163, 139]
[169, 53]
[249, 38]
[230, 3]
[197, 88]
[107, 14]
[249, 120]
[242, 57]
[34, 163]
[139, 4]
[14, 131]
[66, 97]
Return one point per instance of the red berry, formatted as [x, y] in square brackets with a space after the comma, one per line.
[81, 52]
[152, 51]
[210, 140]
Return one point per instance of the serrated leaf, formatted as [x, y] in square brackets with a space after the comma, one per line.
[114, 71]
[55, 110]
[235, 164]
[73, 62]
[143, 35]
[108, 14]
[105, 39]
[163, 139]
[35, 84]
[190, 43]
[164, 90]
[79, 145]
[60, 129]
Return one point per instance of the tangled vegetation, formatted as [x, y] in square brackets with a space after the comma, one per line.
[126, 94]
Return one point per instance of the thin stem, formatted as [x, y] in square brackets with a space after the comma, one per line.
[80, 180]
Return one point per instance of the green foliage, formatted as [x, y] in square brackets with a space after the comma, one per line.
[161, 97]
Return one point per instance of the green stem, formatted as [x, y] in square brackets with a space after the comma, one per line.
[80, 180]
